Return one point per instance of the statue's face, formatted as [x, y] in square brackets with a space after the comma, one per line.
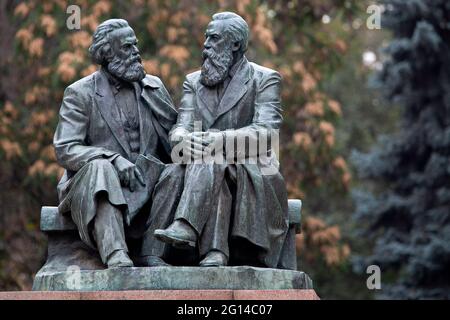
[217, 54]
[126, 62]
[216, 38]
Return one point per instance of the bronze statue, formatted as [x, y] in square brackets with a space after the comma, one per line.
[233, 212]
[112, 139]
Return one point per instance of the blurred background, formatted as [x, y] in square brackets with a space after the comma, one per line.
[365, 142]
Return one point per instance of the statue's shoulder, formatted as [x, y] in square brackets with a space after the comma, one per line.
[152, 81]
[264, 72]
[193, 77]
[83, 85]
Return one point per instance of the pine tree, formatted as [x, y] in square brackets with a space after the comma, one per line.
[408, 211]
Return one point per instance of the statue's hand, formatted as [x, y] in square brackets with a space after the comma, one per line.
[196, 144]
[129, 174]
[177, 136]
[214, 141]
[187, 141]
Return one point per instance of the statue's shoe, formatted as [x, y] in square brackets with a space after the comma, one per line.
[151, 261]
[179, 234]
[214, 259]
[119, 259]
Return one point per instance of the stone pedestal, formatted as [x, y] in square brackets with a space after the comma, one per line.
[163, 295]
[171, 278]
[74, 271]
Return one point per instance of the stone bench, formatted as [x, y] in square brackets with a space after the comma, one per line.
[57, 226]
[52, 220]
[66, 252]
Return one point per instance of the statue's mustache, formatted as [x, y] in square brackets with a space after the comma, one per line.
[211, 55]
[206, 53]
[137, 58]
[129, 69]
[133, 60]
[127, 61]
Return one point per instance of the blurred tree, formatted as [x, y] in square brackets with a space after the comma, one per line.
[303, 39]
[408, 211]
[364, 117]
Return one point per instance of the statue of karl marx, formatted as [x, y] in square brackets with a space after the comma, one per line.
[112, 139]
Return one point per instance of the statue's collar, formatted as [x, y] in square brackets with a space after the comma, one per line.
[235, 68]
[116, 83]
[102, 80]
[149, 81]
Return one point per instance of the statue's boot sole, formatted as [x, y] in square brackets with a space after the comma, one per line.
[121, 265]
[212, 264]
[150, 262]
[177, 242]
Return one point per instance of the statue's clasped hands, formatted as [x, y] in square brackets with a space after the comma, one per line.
[200, 144]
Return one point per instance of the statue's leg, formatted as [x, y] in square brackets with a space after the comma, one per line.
[199, 199]
[215, 233]
[108, 228]
[96, 205]
[166, 196]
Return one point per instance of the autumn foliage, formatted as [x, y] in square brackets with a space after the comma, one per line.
[41, 57]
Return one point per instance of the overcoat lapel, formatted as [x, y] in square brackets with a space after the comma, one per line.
[144, 117]
[207, 103]
[160, 111]
[236, 89]
[107, 105]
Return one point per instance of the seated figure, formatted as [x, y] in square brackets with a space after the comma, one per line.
[233, 211]
[112, 139]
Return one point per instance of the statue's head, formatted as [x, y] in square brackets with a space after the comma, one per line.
[226, 42]
[114, 47]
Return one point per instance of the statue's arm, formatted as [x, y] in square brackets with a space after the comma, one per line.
[185, 120]
[266, 121]
[71, 133]
[166, 113]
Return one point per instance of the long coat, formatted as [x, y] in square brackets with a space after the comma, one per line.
[249, 107]
[90, 128]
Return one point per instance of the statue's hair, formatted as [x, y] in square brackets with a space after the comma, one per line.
[237, 28]
[100, 40]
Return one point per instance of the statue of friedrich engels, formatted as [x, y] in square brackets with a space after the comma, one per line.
[233, 211]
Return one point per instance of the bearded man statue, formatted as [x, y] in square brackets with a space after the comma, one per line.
[112, 139]
[233, 212]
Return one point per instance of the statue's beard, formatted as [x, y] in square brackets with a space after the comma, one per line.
[129, 70]
[216, 66]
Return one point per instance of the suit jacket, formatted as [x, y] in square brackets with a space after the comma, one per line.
[89, 123]
[249, 106]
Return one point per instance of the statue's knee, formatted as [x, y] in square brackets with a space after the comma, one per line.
[204, 171]
[172, 174]
[101, 167]
[201, 167]
[174, 170]
[100, 164]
